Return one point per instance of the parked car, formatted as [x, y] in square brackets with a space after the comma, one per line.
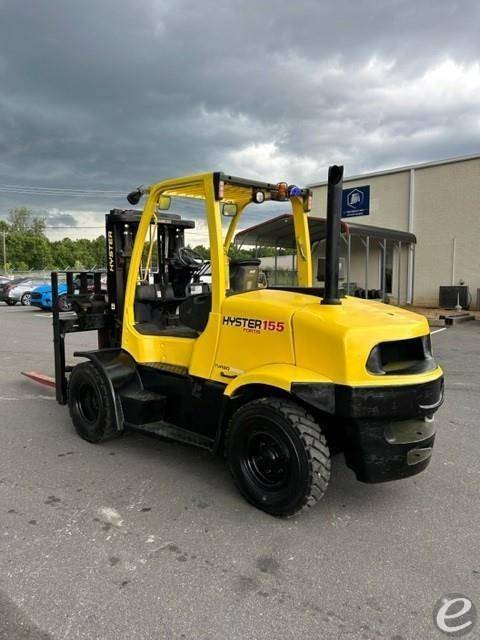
[9, 281]
[19, 291]
[8, 285]
[41, 297]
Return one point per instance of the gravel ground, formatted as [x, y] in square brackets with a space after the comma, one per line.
[140, 538]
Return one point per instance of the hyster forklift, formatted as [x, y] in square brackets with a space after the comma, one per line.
[274, 378]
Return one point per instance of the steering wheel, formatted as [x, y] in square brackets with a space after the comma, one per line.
[188, 258]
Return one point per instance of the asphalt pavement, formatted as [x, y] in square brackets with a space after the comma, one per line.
[142, 538]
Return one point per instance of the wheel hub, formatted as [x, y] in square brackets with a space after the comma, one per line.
[88, 403]
[267, 458]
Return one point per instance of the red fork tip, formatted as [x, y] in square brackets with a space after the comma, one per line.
[39, 377]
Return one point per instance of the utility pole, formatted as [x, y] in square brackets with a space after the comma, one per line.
[4, 254]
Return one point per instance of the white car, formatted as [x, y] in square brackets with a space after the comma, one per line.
[21, 291]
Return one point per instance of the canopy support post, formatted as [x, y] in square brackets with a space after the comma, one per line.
[347, 241]
[367, 260]
[275, 266]
[412, 275]
[383, 245]
[399, 283]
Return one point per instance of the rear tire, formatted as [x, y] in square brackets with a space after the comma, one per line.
[11, 303]
[278, 456]
[26, 299]
[90, 403]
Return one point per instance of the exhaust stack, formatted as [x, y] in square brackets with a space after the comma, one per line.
[334, 214]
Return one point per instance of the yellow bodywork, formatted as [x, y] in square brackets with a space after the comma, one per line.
[268, 336]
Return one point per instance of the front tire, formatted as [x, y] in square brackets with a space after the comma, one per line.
[90, 404]
[26, 299]
[278, 456]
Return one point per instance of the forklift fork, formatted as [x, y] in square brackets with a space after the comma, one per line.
[85, 319]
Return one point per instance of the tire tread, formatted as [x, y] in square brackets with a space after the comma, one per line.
[109, 428]
[313, 440]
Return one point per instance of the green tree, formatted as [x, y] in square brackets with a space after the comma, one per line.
[27, 246]
[98, 252]
[22, 220]
[32, 250]
[203, 251]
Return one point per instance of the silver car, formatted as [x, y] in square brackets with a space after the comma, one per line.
[21, 291]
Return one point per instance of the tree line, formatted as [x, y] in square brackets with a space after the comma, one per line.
[28, 248]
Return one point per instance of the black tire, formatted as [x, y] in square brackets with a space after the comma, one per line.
[11, 303]
[90, 404]
[26, 298]
[63, 304]
[278, 456]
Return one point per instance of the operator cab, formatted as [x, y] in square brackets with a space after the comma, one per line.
[169, 275]
[172, 296]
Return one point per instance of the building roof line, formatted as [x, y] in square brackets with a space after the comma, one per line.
[280, 232]
[408, 167]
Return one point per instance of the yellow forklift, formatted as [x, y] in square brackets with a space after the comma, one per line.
[274, 378]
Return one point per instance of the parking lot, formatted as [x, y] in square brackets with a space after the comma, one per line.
[142, 538]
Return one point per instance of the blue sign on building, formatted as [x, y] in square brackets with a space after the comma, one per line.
[356, 202]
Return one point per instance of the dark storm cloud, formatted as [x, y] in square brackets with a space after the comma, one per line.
[107, 95]
[53, 219]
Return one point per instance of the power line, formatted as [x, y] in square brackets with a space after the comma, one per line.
[61, 189]
[190, 232]
[61, 194]
[71, 226]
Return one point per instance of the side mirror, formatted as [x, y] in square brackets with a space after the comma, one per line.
[135, 196]
[229, 209]
[164, 203]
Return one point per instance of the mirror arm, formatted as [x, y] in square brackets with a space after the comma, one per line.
[232, 227]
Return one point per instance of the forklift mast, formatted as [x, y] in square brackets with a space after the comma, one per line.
[100, 309]
[120, 230]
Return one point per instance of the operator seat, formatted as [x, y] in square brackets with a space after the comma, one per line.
[195, 310]
[152, 313]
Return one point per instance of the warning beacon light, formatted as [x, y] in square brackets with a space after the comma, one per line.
[294, 191]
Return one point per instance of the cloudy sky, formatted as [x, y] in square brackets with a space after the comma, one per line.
[98, 96]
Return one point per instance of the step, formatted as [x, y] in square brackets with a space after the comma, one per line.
[457, 318]
[436, 322]
[142, 406]
[167, 430]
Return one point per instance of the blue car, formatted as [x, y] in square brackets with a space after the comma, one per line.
[41, 297]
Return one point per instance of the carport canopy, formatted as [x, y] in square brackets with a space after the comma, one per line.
[279, 232]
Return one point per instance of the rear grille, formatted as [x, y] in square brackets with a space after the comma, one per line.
[402, 357]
